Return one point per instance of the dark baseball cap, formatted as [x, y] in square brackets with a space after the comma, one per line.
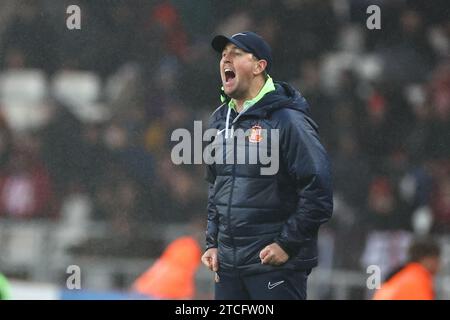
[247, 41]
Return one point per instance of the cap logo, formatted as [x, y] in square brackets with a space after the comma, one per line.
[237, 34]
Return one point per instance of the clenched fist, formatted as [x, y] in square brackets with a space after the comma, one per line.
[273, 254]
[210, 259]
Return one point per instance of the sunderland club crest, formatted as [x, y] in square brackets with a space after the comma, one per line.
[255, 134]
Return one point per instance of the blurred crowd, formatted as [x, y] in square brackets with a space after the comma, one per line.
[381, 99]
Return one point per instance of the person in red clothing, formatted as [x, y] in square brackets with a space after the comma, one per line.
[26, 190]
[413, 281]
[172, 275]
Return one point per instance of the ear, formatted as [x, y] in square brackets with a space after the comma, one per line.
[260, 66]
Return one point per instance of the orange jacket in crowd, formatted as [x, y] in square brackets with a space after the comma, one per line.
[413, 282]
[172, 276]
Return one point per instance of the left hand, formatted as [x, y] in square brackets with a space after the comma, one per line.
[273, 254]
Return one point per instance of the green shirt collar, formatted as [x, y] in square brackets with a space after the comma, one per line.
[268, 87]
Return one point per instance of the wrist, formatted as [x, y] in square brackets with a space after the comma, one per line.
[290, 250]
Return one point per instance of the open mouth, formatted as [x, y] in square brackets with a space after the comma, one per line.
[229, 75]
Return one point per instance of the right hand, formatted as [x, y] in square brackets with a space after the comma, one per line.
[210, 259]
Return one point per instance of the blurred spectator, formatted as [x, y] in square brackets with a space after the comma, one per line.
[131, 155]
[167, 19]
[413, 281]
[322, 108]
[93, 157]
[160, 36]
[418, 143]
[25, 185]
[61, 145]
[310, 25]
[14, 59]
[239, 19]
[179, 195]
[408, 57]
[351, 173]
[386, 211]
[440, 199]
[441, 203]
[193, 73]
[376, 136]
[120, 201]
[29, 40]
[440, 100]
[5, 142]
[173, 273]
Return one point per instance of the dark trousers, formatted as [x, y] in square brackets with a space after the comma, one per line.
[275, 285]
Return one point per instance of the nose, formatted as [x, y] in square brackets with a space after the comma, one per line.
[226, 57]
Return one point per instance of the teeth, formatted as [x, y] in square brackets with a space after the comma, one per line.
[228, 69]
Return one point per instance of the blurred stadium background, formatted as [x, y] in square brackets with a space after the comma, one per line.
[86, 117]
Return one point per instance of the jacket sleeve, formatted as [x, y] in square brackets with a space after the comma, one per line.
[307, 164]
[212, 225]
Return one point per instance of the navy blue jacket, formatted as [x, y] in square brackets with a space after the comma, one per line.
[248, 211]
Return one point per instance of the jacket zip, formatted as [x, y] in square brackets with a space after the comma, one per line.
[233, 175]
